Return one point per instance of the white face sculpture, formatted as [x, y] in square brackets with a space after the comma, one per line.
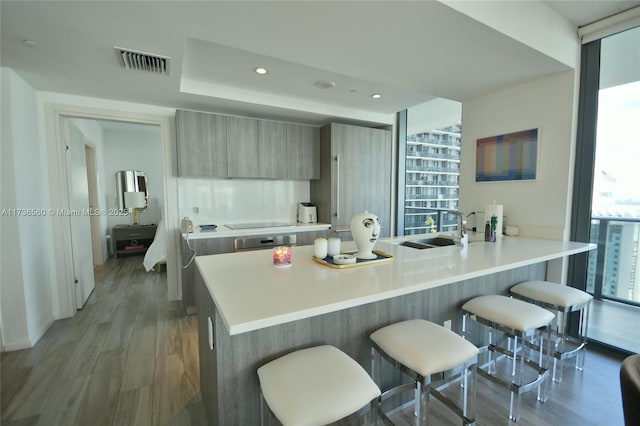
[365, 229]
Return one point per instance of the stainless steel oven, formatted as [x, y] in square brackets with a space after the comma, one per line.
[261, 242]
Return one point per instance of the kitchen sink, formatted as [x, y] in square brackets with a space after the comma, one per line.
[427, 243]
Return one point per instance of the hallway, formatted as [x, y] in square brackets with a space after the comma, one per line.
[128, 358]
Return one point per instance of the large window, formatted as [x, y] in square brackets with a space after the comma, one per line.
[615, 205]
[606, 208]
[430, 168]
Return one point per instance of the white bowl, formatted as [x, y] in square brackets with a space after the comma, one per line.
[344, 259]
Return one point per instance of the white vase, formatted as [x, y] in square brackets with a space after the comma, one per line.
[365, 229]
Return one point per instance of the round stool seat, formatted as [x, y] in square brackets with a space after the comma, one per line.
[315, 386]
[512, 313]
[423, 346]
[551, 293]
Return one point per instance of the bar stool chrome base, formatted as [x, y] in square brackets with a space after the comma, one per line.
[563, 300]
[425, 352]
[520, 322]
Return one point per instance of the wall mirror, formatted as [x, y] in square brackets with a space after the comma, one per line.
[131, 181]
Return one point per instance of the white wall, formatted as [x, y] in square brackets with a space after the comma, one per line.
[136, 147]
[227, 201]
[25, 308]
[540, 207]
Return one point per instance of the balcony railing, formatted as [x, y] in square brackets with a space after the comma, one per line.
[614, 268]
[432, 169]
[433, 141]
[415, 219]
[423, 154]
[429, 183]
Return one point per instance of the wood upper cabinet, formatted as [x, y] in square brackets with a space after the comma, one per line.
[303, 152]
[272, 149]
[242, 147]
[202, 144]
[356, 176]
[237, 147]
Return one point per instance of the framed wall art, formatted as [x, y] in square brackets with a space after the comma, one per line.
[512, 156]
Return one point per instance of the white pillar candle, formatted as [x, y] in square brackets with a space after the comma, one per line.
[333, 247]
[320, 247]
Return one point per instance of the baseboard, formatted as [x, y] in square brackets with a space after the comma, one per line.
[40, 332]
[27, 343]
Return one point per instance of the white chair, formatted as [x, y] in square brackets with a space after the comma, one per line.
[422, 349]
[315, 386]
[562, 300]
[519, 321]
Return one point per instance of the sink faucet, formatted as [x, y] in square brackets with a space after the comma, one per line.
[462, 226]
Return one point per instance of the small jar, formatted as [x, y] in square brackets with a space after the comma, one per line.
[282, 256]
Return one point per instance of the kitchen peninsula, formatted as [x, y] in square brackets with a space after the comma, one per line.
[252, 312]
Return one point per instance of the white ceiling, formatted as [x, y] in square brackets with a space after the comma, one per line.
[410, 52]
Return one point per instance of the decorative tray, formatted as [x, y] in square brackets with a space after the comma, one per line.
[382, 257]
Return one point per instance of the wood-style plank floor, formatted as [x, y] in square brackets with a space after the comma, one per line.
[130, 358]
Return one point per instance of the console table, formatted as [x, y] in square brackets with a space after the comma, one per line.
[132, 239]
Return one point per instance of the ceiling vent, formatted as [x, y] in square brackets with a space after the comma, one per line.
[136, 60]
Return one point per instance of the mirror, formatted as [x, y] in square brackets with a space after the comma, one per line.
[130, 181]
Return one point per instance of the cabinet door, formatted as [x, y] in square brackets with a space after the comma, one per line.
[202, 247]
[307, 238]
[242, 147]
[361, 174]
[202, 144]
[378, 177]
[207, 354]
[303, 152]
[272, 149]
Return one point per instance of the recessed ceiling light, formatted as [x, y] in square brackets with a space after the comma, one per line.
[30, 43]
[261, 70]
[376, 96]
[324, 84]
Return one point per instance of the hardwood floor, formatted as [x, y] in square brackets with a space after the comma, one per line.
[128, 358]
[587, 398]
[615, 324]
[131, 358]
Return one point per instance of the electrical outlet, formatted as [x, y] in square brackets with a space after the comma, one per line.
[447, 324]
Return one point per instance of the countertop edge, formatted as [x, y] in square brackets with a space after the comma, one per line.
[222, 231]
[308, 313]
[345, 304]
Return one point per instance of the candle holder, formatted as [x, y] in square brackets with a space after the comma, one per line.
[281, 256]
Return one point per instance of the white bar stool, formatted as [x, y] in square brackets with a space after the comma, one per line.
[422, 350]
[562, 300]
[519, 321]
[315, 386]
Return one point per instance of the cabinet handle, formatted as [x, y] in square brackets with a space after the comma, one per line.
[134, 235]
[337, 213]
[210, 332]
[342, 230]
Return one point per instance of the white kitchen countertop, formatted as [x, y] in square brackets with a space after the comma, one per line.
[250, 293]
[223, 231]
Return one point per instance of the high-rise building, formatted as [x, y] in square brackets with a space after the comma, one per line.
[621, 269]
[432, 180]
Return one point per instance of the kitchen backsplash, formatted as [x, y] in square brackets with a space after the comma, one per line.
[223, 201]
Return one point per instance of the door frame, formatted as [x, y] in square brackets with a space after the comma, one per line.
[92, 181]
[63, 291]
